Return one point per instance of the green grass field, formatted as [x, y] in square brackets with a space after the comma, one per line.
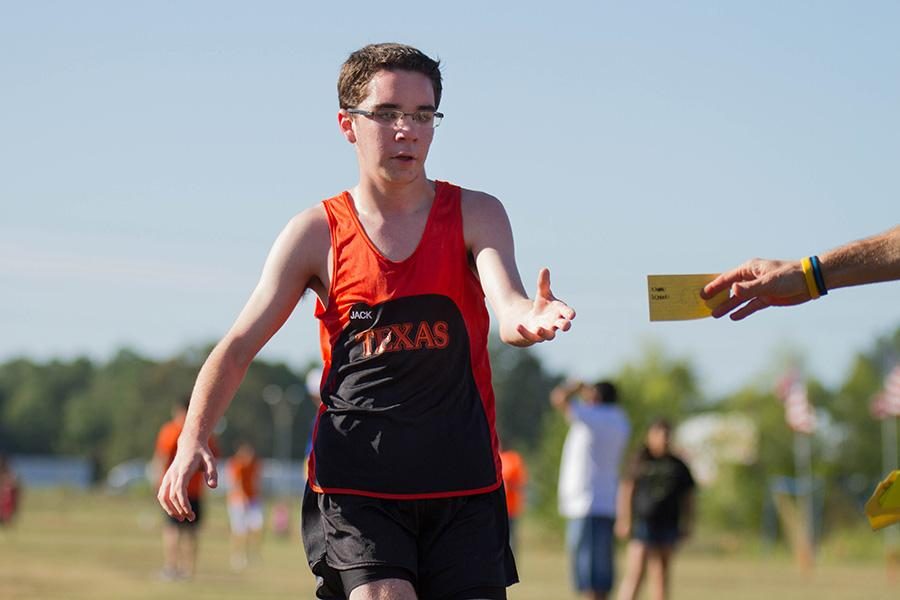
[74, 545]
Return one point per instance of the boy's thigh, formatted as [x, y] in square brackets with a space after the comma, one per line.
[464, 548]
[402, 589]
[366, 583]
[442, 547]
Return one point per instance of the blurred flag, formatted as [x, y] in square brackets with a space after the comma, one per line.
[878, 407]
[889, 398]
[797, 410]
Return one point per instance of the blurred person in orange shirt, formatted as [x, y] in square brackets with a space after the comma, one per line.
[244, 505]
[515, 478]
[179, 537]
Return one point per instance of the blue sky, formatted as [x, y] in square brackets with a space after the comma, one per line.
[152, 151]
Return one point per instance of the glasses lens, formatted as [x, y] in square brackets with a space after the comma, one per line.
[387, 117]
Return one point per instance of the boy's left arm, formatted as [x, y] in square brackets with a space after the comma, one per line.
[523, 321]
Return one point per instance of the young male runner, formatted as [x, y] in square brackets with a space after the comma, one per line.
[404, 498]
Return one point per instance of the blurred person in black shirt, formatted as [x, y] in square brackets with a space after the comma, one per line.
[655, 510]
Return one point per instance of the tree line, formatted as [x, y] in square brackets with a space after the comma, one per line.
[111, 411]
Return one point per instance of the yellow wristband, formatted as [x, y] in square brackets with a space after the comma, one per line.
[806, 263]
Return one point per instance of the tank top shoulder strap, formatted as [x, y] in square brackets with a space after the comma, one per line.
[340, 217]
[446, 218]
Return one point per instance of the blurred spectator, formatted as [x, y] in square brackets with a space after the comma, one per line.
[179, 537]
[656, 510]
[588, 480]
[10, 491]
[314, 391]
[244, 506]
[281, 519]
[515, 478]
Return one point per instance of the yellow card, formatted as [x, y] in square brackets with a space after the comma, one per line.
[677, 297]
[883, 508]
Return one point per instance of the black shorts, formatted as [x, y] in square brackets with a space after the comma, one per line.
[444, 547]
[197, 507]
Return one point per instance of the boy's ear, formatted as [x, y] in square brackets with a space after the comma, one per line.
[345, 123]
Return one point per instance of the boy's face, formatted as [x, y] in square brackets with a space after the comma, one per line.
[394, 153]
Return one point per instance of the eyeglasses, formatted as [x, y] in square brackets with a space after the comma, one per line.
[390, 117]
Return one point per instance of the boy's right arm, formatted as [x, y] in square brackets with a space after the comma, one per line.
[298, 260]
[522, 321]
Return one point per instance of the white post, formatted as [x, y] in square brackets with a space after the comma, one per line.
[804, 478]
[889, 463]
[272, 395]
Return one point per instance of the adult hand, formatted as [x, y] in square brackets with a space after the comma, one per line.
[546, 316]
[173, 494]
[757, 284]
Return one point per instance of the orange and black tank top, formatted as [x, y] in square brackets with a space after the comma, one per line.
[407, 405]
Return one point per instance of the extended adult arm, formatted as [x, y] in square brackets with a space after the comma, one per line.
[760, 283]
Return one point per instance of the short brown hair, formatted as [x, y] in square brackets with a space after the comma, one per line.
[358, 70]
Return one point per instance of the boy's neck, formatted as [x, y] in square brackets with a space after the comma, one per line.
[371, 196]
